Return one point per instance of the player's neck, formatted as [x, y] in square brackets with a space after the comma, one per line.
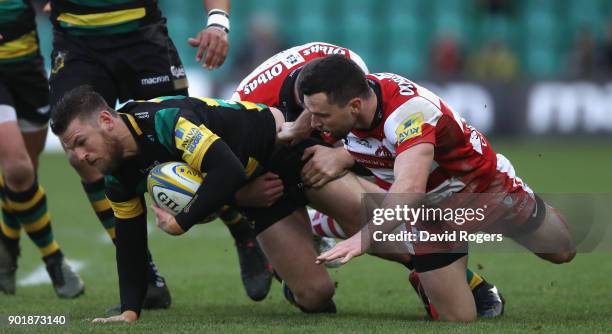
[368, 111]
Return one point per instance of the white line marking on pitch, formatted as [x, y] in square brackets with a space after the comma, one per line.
[40, 276]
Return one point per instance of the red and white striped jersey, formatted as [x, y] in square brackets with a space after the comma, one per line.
[408, 114]
[265, 84]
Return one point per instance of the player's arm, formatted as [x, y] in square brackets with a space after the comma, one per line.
[411, 170]
[204, 151]
[225, 174]
[325, 164]
[412, 130]
[213, 40]
[298, 130]
[131, 246]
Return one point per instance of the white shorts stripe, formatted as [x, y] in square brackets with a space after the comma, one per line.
[505, 166]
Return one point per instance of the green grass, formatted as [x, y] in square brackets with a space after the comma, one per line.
[372, 296]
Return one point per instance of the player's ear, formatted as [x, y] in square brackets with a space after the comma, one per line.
[105, 120]
[355, 105]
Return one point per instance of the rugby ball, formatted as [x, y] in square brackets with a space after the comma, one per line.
[172, 185]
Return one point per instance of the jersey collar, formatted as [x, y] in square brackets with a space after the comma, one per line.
[287, 103]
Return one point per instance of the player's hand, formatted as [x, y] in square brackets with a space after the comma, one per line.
[127, 316]
[344, 250]
[262, 192]
[292, 134]
[212, 41]
[324, 164]
[166, 221]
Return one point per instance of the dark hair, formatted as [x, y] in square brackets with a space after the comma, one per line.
[335, 75]
[80, 102]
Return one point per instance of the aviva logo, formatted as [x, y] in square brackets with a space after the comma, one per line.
[410, 127]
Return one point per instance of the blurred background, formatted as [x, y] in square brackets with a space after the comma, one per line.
[510, 67]
[534, 75]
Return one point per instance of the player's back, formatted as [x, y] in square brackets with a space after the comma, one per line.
[265, 84]
[179, 124]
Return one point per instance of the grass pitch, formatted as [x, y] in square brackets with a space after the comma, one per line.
[372, 296]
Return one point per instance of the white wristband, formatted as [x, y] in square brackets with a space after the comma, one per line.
[218, 18]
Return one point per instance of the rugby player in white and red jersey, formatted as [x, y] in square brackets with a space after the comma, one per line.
[274, 83]
[415, 144]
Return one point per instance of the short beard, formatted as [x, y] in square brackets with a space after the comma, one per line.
[115, 156]
[340, 134]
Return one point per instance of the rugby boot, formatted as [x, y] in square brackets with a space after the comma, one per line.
[489, 302]
[8, 266]
[66, 282]
[254, 269]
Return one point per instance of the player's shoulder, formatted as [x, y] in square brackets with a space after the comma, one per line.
[392, 83]
[157, 119]
[399, 92]
[405, 104]
[279, 65]
[320, 49]
[155, 104]
[264, 82]
[162, 109]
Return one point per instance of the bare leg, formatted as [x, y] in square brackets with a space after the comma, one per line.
[341, 199]
[35, 143]
[14, 159]
[449, 292]
[288, 246]
[553, 234]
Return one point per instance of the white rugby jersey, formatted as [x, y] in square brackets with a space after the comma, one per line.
[408, 114]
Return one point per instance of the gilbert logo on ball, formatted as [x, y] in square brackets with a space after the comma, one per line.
[172, 185]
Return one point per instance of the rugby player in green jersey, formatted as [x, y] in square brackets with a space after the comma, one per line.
[122, 49]
[24, 117]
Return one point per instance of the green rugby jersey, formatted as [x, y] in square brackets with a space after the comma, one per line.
[178, 128]
[103, 17]
[224, 139]
[18, 30]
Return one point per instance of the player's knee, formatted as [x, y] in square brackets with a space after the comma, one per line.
[18, 174]
[562, 257]
[569, 256]
[315, 295]
[568, 252]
